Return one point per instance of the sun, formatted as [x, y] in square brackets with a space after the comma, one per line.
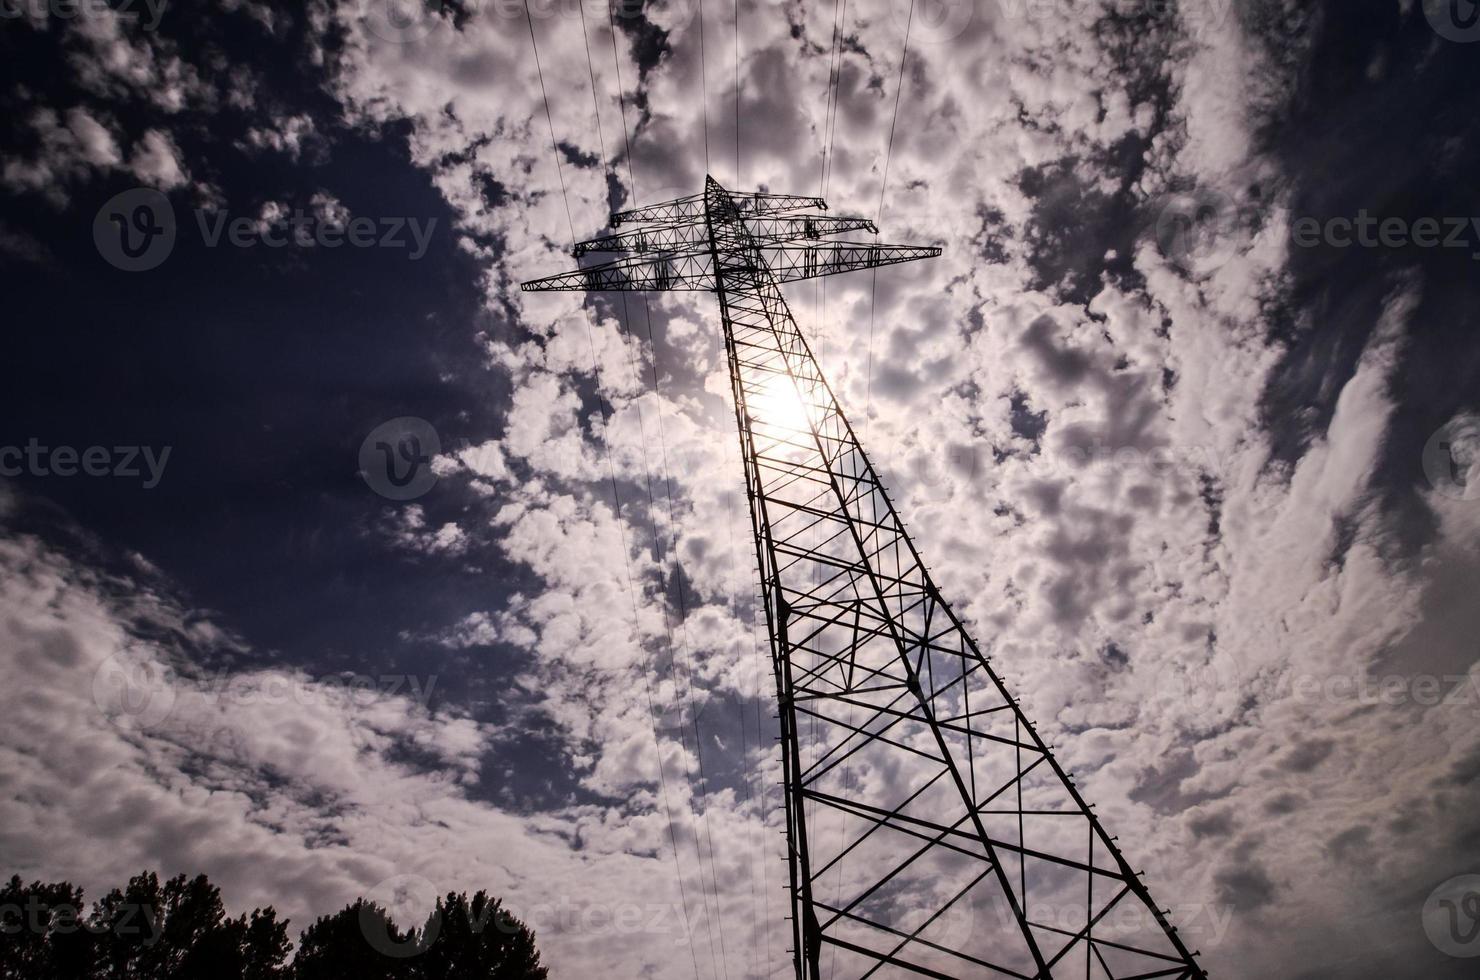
[777, 403]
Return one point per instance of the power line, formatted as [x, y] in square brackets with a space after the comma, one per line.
[898, 89]
[611, 475]
[703, 83]
[879, 214]
[659, 551]
[834, 76]
[683, 632]
[682, 599]
[595, 103]
[621, 101]
[738, 182]
[751, 796]
[835, 69]
[545, 95]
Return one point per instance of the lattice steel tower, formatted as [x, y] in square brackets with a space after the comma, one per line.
[931, 831]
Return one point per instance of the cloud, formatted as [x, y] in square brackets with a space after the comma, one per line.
[292, 135]
[156, 161]
[407, 528]
[18, 244]
[1068, 417]
[302, 792]
[68, 151]
[1150, 573]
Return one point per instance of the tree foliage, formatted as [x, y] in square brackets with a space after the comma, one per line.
[179, 930]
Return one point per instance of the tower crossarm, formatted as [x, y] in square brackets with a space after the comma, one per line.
[693, 269]
[791, 262]
[680, 236]
[692, 207]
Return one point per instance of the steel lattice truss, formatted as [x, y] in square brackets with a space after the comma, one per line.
[931, 830]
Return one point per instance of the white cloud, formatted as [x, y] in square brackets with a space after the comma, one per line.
[1157, 607]
[156, 161]
[290, 135]
[67, 153]
[286, 789]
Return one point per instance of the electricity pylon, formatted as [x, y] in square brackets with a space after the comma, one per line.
[931, 831]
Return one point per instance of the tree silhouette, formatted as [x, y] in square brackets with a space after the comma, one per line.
[359, 941]
[179, 930]
[479, 938]
[39, 937]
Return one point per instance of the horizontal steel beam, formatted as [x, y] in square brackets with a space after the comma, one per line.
[694, 270]
[688, 235]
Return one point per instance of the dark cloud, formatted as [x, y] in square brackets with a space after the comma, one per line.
[1245, 887]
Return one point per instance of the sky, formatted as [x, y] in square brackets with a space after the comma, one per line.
[1185, 419]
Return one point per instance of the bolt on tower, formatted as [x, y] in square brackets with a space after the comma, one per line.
[930, 830]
